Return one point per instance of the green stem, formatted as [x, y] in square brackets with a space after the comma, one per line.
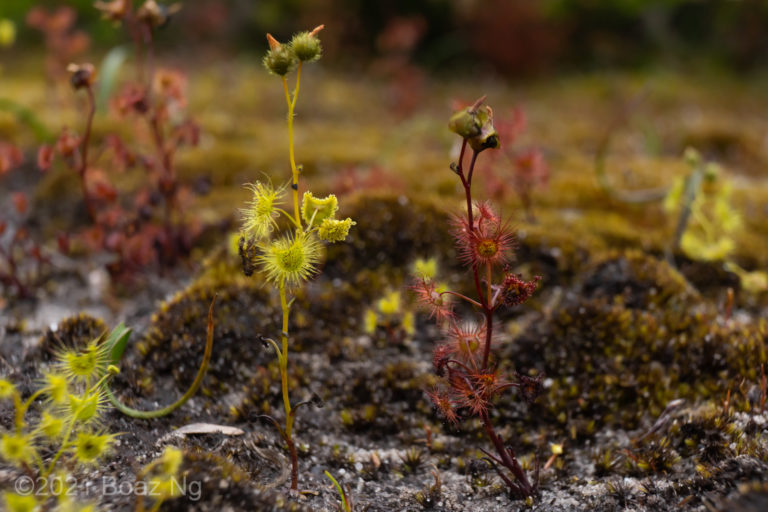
[64, 445]
[135, 413]
[291, 102]
[83, 167]
[288, 432]
[277, 349]
[284, 361]
[19, 410]
[344, 503]
[295, 222]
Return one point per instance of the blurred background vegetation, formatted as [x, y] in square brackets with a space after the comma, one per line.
[509, 37]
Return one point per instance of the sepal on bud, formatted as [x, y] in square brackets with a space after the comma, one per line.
[280, 59]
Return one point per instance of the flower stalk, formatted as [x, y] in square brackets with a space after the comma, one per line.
[290, 100]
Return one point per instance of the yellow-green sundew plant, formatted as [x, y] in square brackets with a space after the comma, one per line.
[393, 313]
[288, 257]
[68, 430]
[61, 425]
[707, 219]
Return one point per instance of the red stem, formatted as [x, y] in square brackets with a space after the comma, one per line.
[83, 167]
[488, 336]
[294, 464]
[467, 182]
[12, 275]
[507, 457]
[165, 154]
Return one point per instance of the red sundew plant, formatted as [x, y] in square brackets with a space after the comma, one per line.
[149, 227]
[62, 42]
[471, 380]
[21, 258]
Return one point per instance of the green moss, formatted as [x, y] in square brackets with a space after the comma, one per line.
[382, 402]
[174, 342]
[75, 331]
[391, 232]
[634, 338]
[224, 483]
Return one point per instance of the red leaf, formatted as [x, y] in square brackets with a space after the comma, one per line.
[105, 191]
[44, 157]
[67, 143]
[100, 187]
[94, 238]
[10, 157]
[20, 202]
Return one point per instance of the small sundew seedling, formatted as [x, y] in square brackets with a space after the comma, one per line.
[288, 258]
[707, 220]
[65, 427]
[391, 314]
[161, 475]
[556, 449]
[471, 380]
[429, 497]
[394, 313]
[346, 502]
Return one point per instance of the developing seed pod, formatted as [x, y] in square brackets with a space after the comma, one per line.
[156, 15]
[83, 75]
[488, 138]
[306, 46]
[475, 125]
[465, 123]
[280, 59]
